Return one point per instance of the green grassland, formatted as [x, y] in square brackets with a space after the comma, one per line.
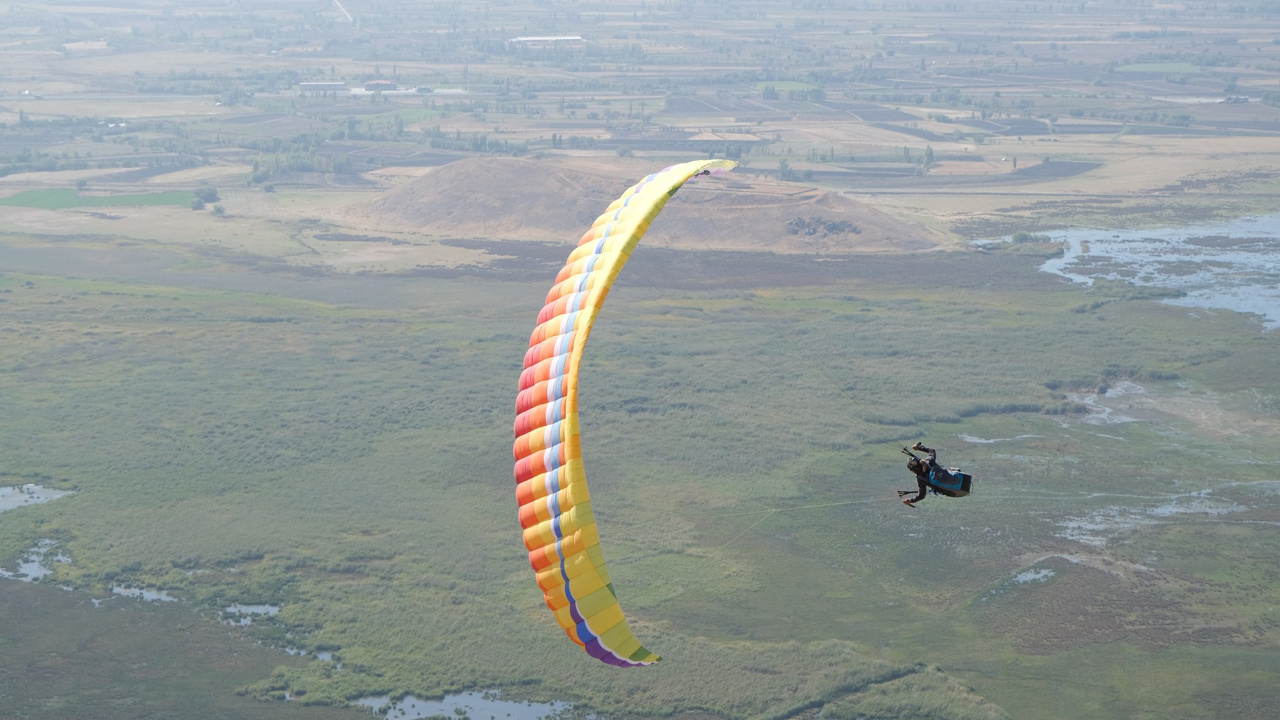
[128, 661]
[59, 198]
[339, 446]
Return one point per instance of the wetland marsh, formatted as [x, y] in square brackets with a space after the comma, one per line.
[1233, 265]
[256, 452]
[277, 465]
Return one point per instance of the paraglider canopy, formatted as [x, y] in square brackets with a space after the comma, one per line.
[551, 487]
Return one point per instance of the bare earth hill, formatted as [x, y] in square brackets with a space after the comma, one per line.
[556, 200]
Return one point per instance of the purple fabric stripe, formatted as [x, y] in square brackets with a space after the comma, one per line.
[603, 654]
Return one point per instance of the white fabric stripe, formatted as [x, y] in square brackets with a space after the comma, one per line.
[563, 343]
[554, 412]
[567, 322]
[551, 458]
[600, 243]
[551, 435]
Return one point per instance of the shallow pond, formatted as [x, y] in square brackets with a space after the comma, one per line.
[1105, 526]
[246, 613]
[156, 596]
[14, 497]
[1233, 265]
[474, 705]
[34, 564]
[1033, 575]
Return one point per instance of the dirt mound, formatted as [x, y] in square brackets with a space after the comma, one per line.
[557, 199]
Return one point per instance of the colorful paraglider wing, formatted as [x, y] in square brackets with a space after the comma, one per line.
[551, 485]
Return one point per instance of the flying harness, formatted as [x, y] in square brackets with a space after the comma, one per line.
[949, 482]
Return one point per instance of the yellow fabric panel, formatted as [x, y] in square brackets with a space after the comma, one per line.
[590, 538]
[544, 533]
[628, 646]
[615, 636]
[539, 485]
[551, 578]
[579, 564]
[535, 439]
[583, 584]
[575, 493]
[596, 602]
[589, 606]
[609, 617]
[596, 555]
[576, 518]
[574, 472]
[539, 535]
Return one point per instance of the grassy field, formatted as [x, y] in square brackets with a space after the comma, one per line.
[57, 199]
[338, 446]
[129, 661]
